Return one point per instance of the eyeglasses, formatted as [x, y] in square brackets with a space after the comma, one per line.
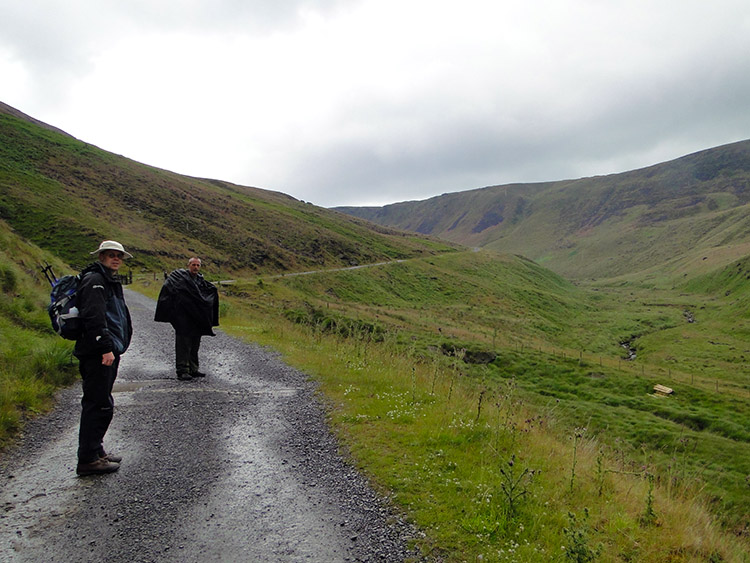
[119, 255]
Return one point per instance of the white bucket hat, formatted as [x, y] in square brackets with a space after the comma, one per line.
[112, 245]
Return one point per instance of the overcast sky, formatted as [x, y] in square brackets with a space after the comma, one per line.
[368, 102]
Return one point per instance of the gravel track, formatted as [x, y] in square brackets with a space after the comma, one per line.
[239, 466]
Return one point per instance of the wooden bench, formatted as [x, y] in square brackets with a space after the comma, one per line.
[663, 390]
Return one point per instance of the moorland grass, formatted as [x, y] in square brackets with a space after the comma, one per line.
[485, 471]
[34, 361]
[66, 195]
[485, 457]
[560, 344]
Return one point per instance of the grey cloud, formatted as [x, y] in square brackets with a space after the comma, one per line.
[57, 41]
[258, 16]
[617, 125]
[632, 131]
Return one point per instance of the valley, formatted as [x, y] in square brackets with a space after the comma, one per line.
[485, 392]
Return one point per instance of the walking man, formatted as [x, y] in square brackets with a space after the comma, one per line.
[106, 334]
[191, 305]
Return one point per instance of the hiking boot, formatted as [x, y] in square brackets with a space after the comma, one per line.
[111, 457]
[184, 376]
[97, 467]
[197, 374]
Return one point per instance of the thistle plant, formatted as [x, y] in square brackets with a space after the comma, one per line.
[600, 472]
[479, 405]
[649, 515]
[579, 432]
[413, 385]
[514, 485]
[460, 354]
[434, 378]
[577, 534]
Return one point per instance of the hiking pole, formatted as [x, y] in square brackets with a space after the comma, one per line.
[49, 274]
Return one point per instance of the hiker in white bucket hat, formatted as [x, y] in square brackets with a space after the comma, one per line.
[107, 330]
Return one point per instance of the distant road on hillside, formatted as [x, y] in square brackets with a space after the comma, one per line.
[239, 466]
[337, 269]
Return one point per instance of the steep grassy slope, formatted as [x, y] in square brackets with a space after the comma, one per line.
[464, 299]
[34, 361]
[66, 196]
[716, 343]
[665, 215]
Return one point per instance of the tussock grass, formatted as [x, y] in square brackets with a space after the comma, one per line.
[32, 368]
[34, 361]
[565, 358]
[484, 471]
[555, 450]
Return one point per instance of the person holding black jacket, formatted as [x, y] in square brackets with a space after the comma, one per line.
[191, 305]
[107, 330]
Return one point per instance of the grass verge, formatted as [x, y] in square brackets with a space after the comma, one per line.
[485, 469]
[34, 361]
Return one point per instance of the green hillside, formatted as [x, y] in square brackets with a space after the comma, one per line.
[66, 195]
[34, 361]
[665, 216]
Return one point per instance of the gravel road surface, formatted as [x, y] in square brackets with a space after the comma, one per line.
[238, 466]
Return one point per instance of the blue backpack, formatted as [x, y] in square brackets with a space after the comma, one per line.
[62, 308]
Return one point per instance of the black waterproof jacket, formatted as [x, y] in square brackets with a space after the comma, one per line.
[101, 306]
[189, 303]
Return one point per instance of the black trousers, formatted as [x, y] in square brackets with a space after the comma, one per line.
[186, 348]
[97, 405]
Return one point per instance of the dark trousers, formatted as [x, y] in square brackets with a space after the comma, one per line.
[97, 405]
[186, 348]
